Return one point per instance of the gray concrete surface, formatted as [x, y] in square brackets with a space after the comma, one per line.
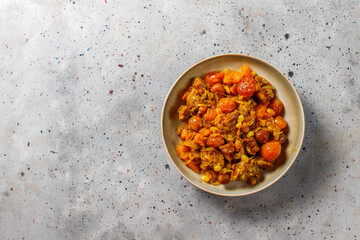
[81, 89]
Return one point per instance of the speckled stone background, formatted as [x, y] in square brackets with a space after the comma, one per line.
[81, 90]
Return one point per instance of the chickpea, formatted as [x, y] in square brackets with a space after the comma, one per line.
[262, 136]
[217, 168]
[224, 178]
[205, 178]
[195, 123]
[282, 138]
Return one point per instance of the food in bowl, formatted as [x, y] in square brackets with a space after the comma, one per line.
[232, 126]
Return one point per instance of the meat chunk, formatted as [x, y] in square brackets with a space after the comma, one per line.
[251, 145]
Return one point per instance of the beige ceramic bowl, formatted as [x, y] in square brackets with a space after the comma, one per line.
[294, 116]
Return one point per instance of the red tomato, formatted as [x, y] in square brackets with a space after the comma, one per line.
[227, 105]
[214, 77]
[246, 87]
[270, 151]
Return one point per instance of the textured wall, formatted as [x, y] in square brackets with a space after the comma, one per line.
[81, 89]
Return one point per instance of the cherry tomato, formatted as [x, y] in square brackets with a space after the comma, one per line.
[217, 88]
[246, 71]
[214, 77]
[262, 136]
[276, 105]
[210, 115]
[215, 141]
[227, 105]
[224, 178]
[195, 123]
[260, 111]
[280, 122]
[246, 87]
[270, 150]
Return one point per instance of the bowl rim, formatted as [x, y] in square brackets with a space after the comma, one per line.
[287, 167]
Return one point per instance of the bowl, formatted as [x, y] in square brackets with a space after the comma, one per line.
[293, 114]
